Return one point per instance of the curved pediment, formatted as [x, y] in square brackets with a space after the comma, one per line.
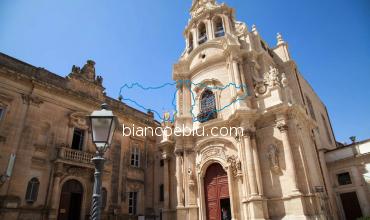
[79, 120]
[226, 143]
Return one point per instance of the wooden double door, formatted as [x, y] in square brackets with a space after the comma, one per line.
[351, 205]
[216, 188]
[70, 201]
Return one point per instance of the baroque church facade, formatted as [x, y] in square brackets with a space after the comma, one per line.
[274, 169]
[283, 164]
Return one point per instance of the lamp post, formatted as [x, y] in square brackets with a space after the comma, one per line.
[103, 124]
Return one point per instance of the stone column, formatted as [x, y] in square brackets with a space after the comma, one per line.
[179, 188]
[236, 73]
[257, 166]
[231, 192]
[247, 134]
[186, 101]
[166, 181]
[210, 32]
[288, 154]
[53, 214]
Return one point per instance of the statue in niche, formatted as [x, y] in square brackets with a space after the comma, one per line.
[273, 155]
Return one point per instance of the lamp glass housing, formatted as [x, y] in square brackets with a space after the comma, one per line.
[102, 128]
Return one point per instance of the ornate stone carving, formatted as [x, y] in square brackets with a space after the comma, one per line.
[271, 78]
[235, 165]
[284, 80]
[200, 6]
[248, 133]
[192, 182]
[78, 119]
[88, 71]
[31, 100]
[76, 171]
[282, 126]
[76, 70]
[211, 151]
[273, 155]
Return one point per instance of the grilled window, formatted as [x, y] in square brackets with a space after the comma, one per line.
[132, 203]
[135, 156]
[207, 107]
[344, 179]
[78, 139]
[32, 190]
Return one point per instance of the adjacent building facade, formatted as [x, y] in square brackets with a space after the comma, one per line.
[46, 148]
[349, 170]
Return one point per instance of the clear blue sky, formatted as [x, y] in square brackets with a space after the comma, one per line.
[139, 41]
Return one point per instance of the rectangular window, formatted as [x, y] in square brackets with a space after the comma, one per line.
[344, 179]
[78, 139]
[161, 193]
[132, 203]
[161, 162]
[135, 156]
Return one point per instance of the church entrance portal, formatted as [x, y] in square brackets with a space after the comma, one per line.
[216, 190]
[70, 201]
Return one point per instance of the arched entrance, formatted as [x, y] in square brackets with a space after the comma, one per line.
[216, 188]
[70, 201]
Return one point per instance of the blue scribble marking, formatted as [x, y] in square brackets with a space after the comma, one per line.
[188, 84]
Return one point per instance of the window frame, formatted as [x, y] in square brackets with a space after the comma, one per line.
[349, 181]
[132, 203]
[2, 112]
[207, 106]
[216, 21]
[32, 190]
[82, 139]
[135, 156]
[202, 36]
[161, 192]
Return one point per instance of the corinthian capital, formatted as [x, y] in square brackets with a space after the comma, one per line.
[249, 133]
[282, 126]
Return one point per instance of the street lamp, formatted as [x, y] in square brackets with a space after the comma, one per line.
[103, 124]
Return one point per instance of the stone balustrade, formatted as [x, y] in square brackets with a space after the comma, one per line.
[74, 155]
